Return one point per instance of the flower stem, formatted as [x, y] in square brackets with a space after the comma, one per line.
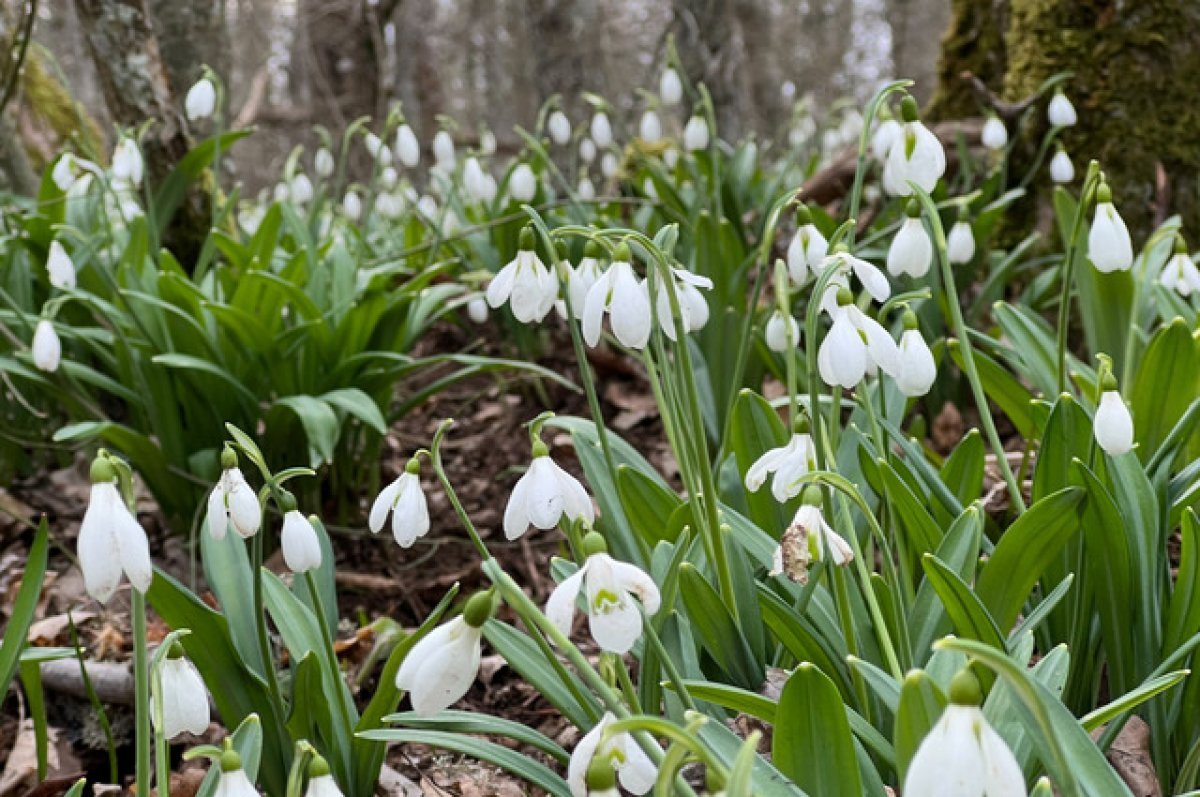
[141, 693]
[1068, 271]
[331, 656]
[435, 456]
[162, 759]
[260, 622]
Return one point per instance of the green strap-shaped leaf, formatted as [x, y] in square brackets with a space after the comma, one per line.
[812, 743]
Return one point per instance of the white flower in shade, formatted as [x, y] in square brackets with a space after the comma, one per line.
[609, 165]
[601, 129]
[855, 346]
[474, 179]
[587, 150]
[352, 205]
[1109, 247]
[1061, 112]
[911, 251]
[407, 148]
[634, 768]
[670, 87]
[525, 283]
[201, 100]
[233, 504]
[427, 206]
[377, 149]
[670, 157]
[650, 127]
[581, 279]
[808, 249]
[625, 298]
[916, 155]
[184, 698]
[63, 173]
[544, 495]
[391, 206]
[300, 543]
[477, 309]
[585, 189]
[695, 134]
[915, 367]
[782, 332]
[559, 128]
[487, 142]
[323, 163]
[1113, 424]
[693, 308]
[300, 189]
[60, 267]
[233, 781]
[1061, 169]
[388, 177]
[960, 244]
[962, 755]
[787, 464]
[46, 347]
[868, 274]
[323, 786]
[881, 141]
[405, 499]
[111, 542]
[809, 539]
[608, 587]
[1180, 273]
[522, 183]
[441, 667]
[994, 134]
[443, 151]
[127, 165]
[280, 193]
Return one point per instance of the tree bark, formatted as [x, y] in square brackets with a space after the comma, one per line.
[707, 35]
[973, 42]
[191, 33]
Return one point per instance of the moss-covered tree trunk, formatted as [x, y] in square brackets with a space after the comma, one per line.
[973, 42]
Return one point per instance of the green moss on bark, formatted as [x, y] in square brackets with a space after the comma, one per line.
[974, 41]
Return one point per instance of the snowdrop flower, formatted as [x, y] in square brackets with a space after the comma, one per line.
[1062, 171]
[911, 251]
[787, 464]
[915, 368]
[1061, 112]
[854, 345]
[63, 173]
[581, 278]
[300, 543]
[323, 163]
[650, 127]
[695, 134]
[670, 87]
[609, 165]
[427, 206]
[625, 298]
[111, 542]
[280, 192]
[608, 587]
[962, 755]
[474, 179]
[352, 205]
[693, 309]
[871, 278]
[184, 698]
[994, 135]
[1109, 247]
[233, 781]
[601, 130]
[320, 781]
[587, 150]
[809, 539]
[487, 142]
[1113, 425]
[633, 767]
[545, 495]
[585, 189]
[388, 177]
[232, 502]
[391, 206]
[1180, 273]
[916, 155]
[405, 499]
[300, 189]
[884, 136]
[477, 310]
[407, 148]
[525, 283]
[782, 333]
[377, 149]
[60, 267]
[441, 667]
[443, 151]
[127, 164]
[960, 244]
[522, 183]
[201, 100]
[808, 248]
[559, 128]
[670, 157]
[46, 347]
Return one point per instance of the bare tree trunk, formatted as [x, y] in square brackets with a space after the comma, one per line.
[191, 33]
[706, 33]
[973, 42]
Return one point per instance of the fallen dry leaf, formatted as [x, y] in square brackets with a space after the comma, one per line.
[20, 771]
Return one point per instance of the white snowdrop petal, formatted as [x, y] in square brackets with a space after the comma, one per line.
[560, 607]
[1113, 424]
[217, 515]
[410, 518]
[582, 755]
[1001, 770]
[99, 559]
[630, 308]
[516, 513]
[244, 510]
[763, 466]
[235, 784]
[300, 544]
[615, 623]
[960, 244]
[406, 675]
[448, 672]
[543, 500]
[501, 286]
[46, 347]
[133, 547]
[916, 369]
[382, 505]
[1109, 245]
[911, 251]
[632, 578]
[1062, 170]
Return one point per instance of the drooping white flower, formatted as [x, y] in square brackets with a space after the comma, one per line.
[1062, 171]
[352, 205]
[695, 134]
[786, 465]
[670, 157]
[911, 251]
[184, 698]
[781, 333]
[960, 244]
[581, 278]
[634, 768]
[1109, 246]
[474, 179]
[281, 192]
[587, 150]
[46, 347]
[609, 587]
[127, 165]
[994, 134]
[300, 543]
[427, 206]
[808, 249]
[1060, 111]
[487, 142]
[407, 148]
[525, 283]
[441, 667]
[63, 173]
[443, 151]
[609, 165]
[300, 189]
[881, 140]
[477, 309]
[809, 539]
[60, 267]
[201, 100]
[1113, 425]
[233, 781]
[916, 370]
[405, 499]
[693, 308]
[855, 345]
[323, 786]
[868, 274]
[601, 130]
[585, 189]
[522, 183]
[1180, 273]
[916, 155]
[233, 504]
[559, 128]
[625, 298]
[377, 149]
[670, 87]
[650, 127]
[962, 755]
[544, 495]
[111, 542]
[323, 163]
